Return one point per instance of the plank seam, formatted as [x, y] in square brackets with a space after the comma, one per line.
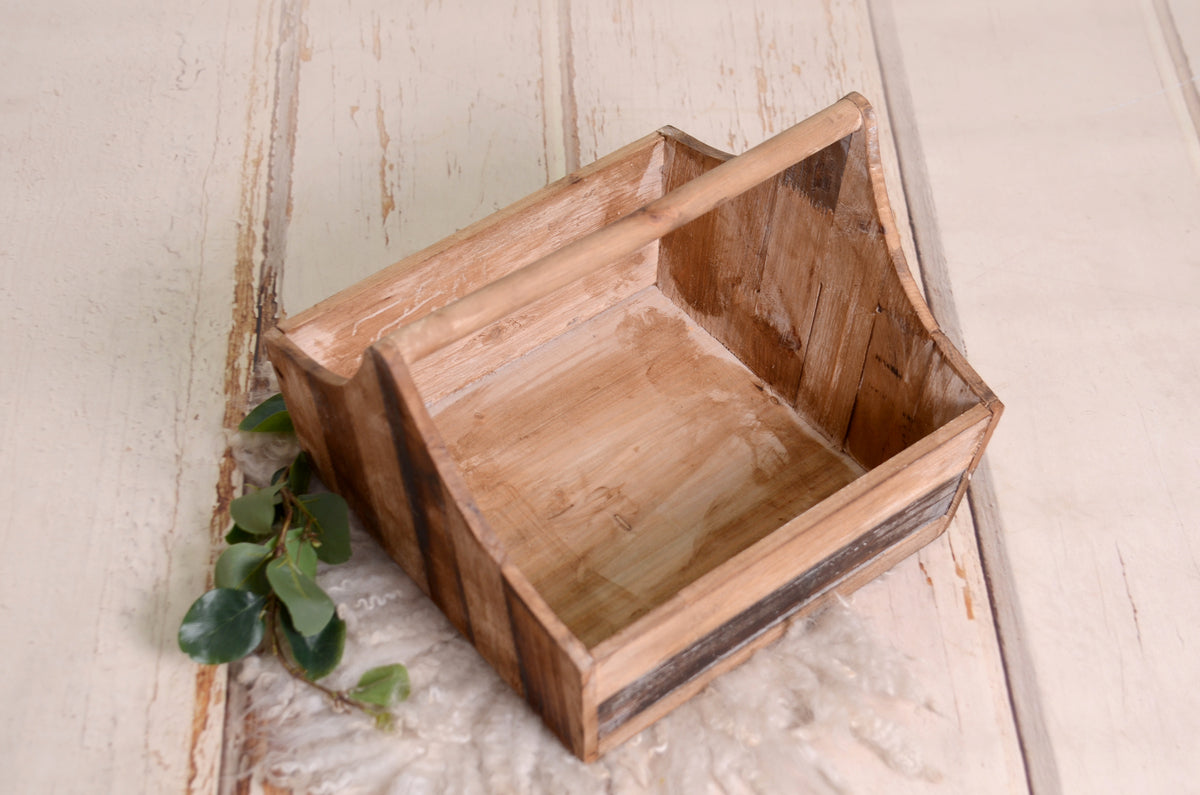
[1183, 89]
[275, 216]
[570, 111]
[281, 160]
[1024, 696]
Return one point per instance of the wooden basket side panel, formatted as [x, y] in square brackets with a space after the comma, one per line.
[708, 653]
[899, 487]
[337, 331]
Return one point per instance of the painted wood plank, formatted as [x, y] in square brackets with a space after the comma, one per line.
[1086, 321]
[412, 121]
[135, 141]
[764, 66]
[400, 124]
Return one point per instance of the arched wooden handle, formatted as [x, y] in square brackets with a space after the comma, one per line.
[623, 237]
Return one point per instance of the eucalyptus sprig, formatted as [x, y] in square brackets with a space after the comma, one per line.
[266, 592]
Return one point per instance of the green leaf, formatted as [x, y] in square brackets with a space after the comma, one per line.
[308, 605]
[223, 625]
[270, 416]
[301, 551]
[237, 535]
[299, 474]
[255, 512]
[317, 654]
[244, 567]
[386, 686]
[331, 525]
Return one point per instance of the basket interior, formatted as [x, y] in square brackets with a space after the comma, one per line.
[629, 457]
[763, 357]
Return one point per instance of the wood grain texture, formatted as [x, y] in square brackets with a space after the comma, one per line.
[1095, 472]
[135, 144]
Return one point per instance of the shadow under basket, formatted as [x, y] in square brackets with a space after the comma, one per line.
[624, 429]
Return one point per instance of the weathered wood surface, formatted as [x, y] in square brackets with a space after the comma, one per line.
[1067, 190]
[135, 146]
[139, 196]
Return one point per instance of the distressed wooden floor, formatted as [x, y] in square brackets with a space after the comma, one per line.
[178, 175]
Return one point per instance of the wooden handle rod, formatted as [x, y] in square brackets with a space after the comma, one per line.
[625, 236]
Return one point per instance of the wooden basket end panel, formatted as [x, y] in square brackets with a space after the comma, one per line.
[803, 279]
[469, 577]
[303, 382]
[786, 275]
[903, 297]
[373, 439]
[552, 681]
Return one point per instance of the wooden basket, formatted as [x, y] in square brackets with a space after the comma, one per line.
[622, 430]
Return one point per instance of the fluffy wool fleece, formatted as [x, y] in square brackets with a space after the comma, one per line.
[809, 713]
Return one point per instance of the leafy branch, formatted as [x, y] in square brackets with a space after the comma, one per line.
[266, 592]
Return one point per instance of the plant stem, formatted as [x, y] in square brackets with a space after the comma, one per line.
[339, 697]
[280, 544]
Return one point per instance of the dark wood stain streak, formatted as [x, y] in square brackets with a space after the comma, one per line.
[776, 607]
[523, 673]
[545, 675]
[420, 480]
[819, 178]
[854, 407]
[467, 627]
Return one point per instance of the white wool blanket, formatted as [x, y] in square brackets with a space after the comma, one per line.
[813, 712]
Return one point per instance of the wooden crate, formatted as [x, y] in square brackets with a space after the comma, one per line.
[623, 429]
